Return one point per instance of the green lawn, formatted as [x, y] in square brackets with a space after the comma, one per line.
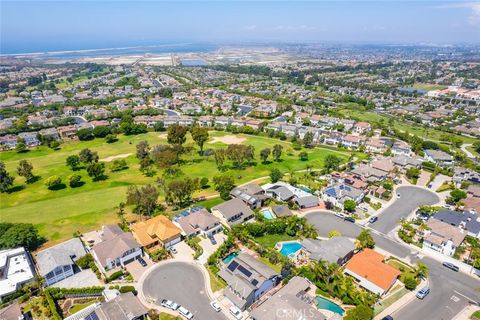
[428, 86]
[216, 283]
[79, 306]
[60, 213]
[475, 315]
[269, 240]
[166, 316]
[276, 267]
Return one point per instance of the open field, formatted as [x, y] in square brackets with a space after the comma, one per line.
[58, 214]
[428, 86]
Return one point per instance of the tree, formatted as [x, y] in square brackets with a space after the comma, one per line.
[224, 184]
[308, 139]
[6, 180]
[143, 150]
[118, 165]
[240, 153]
[96, 170]
[220, 155]
[365, 240]
[85, 134]
[75, 180]
[409, 281]
[476, 146]
[349, 205]
[332, 162]
[111, 138]
[360, 312]
[176, 134]
[204, 183]
[334, 233]
[456, 195]
[53, 182]
[179, 192]
[200, 136]
[412, 173]
[73, 162]
[165, 156]
[143, 198]
[120, 212]
[275, 175]
[14, 235]
[303, 156]
[277, 152]
[21, 146]
[101, 131]
[421, 270]
[264, 154]
[24, 169]
[88, 156]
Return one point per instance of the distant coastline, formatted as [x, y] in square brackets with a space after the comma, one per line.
[143, 49]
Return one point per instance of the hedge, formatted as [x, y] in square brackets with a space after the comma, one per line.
[125, 289]
[52, 305]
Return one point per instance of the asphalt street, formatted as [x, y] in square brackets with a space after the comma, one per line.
[450, 291]
[410, 199]
[183, 283]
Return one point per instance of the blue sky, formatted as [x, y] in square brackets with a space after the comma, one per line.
[30, 26]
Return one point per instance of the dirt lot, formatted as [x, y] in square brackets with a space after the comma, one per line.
[230, 139]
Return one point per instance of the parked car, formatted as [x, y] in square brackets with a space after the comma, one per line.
[142, 262]
[170, 304]
[450, 266]
[212, 240]
[373, 219]
[184, 312]
[340, 215]
[215, 306]
[423, 293]
[387, 318]
[237, 313]
[349, 219]
[173, 250]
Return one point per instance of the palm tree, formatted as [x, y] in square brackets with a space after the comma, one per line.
[421, 269]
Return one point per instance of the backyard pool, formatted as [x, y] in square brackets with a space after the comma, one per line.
[267, 214]
[230, 257]
[290, 247]
[326, 304]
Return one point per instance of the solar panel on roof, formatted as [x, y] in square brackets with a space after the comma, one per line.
[92, 316]
[244, 271]
[232, 266]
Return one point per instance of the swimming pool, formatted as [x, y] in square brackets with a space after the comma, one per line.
[267, 214]
[230, 257]
[289, 248]
[326, 304]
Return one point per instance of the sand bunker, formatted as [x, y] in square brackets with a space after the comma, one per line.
[228, 139]
[118, 156]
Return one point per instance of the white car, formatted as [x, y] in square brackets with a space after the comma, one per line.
[184, 312]
[340, 215]
[215, 306]
[237, 313]
[170, 304]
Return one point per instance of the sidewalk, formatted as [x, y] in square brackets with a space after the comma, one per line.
[466, 312]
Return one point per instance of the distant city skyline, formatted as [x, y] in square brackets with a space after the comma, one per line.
[40, 26]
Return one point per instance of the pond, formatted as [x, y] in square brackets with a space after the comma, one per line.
[326, 304]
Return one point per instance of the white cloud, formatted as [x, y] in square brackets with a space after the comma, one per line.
[294, 28]
[474, 16]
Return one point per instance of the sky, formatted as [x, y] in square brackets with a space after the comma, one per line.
[38, 26]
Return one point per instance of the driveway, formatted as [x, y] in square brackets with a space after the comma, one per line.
[136, 269]
[450, 291]
[410, 199]
[209, 248]
[183, 283]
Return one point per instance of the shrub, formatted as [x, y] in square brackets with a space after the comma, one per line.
[409, 282]
[125, 289]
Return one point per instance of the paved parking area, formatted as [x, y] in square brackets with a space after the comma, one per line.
[183, 283]
[136, 269]
[84, 278]
[209, 248]
[184, 252]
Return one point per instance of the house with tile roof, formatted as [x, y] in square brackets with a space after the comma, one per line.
[443, 237]
[371, 272]
[199, 222]
[157, 231]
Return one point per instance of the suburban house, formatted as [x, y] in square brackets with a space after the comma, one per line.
[469, 221]
[285, 192]
[247, 280]
[463, 174]
[157, 231]
[370, 174]
[58, 262]
[16, 269]
[116, 249]
[233, 212]
[294, 301]
[406, 162]
[338, 193]
[307, 201]
[443, 237]
[401, 148]
[281, 211]
[334, 250]
[439, 157]
[362, 127]
[252, 194]
[199, 222]
[368, 268]
[125, 306]
[280, 193]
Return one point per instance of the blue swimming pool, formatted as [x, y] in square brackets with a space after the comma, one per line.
[267, 214]
[230, 257]
[290, 247]
[326, 304]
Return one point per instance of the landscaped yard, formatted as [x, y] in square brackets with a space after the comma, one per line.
[269, 240]
[58, 214]
[216, 283]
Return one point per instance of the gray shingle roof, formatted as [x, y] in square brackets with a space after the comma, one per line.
[64, 253]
